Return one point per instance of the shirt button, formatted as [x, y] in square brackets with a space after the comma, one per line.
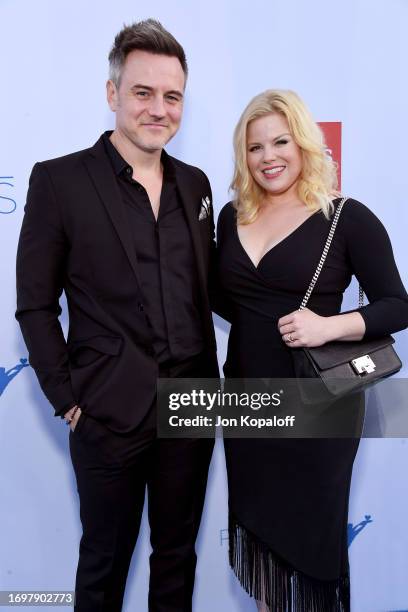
[129, 170]
[140, 306]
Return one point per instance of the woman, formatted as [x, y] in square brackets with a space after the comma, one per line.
[288, 498]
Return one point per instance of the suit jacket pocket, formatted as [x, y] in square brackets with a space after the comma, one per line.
[93, 362]
[87, 351]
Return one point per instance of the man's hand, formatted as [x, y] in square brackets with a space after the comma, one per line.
[76, 411]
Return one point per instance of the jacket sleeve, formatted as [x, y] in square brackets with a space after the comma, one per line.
[221, 305]
[213, 254]
[41, 256]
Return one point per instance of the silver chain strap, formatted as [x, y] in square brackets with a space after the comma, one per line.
[323, 259]
[360, 296]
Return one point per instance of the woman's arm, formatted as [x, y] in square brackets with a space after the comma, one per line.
[371, 259]
[306, 328]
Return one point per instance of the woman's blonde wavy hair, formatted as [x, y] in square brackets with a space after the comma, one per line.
[317, 184]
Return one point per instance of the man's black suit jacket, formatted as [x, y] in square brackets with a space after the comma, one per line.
[75, 238]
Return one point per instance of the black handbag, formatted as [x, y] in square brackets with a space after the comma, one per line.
[341, 367]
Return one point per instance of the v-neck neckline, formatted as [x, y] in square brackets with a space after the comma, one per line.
[277, 244]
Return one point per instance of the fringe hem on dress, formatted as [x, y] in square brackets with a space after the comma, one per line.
[269, 579]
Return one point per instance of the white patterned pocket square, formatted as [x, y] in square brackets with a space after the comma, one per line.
[205, 208]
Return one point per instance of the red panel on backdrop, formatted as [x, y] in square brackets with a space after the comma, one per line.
[332, 136]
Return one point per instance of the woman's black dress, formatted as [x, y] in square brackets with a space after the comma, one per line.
[288, 498]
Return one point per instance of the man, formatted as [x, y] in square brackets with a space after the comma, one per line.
[127, 232]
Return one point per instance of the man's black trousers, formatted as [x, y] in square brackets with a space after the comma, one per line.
[112, 472]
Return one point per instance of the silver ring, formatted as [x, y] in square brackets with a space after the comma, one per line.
[289, 338]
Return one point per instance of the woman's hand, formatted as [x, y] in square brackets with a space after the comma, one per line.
[306, 328]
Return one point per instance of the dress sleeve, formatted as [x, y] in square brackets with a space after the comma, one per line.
[372, 261]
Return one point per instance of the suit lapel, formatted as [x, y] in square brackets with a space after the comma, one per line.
[188, 197]
[102, 175]
[103, 178]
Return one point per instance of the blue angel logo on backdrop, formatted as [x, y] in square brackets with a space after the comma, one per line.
[7, 205]
[6, 376]
[354, 530]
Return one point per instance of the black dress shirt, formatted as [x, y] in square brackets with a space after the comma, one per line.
[166, 262]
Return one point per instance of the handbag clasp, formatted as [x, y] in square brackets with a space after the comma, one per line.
[363, 365]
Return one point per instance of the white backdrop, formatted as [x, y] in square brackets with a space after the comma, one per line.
[346, 59]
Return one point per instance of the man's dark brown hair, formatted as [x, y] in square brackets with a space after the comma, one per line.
[148, 35]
